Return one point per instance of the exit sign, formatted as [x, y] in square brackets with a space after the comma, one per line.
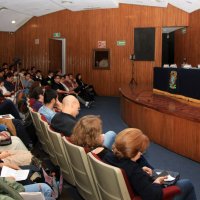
[56, 34]
[121, 42]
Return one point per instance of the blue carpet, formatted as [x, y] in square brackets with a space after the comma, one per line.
[109, 110]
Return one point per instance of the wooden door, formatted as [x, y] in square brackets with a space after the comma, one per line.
[55, 55]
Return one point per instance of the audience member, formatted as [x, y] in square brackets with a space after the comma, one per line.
[49, 79]
[128, 147]
[27, 82]
[88, 133]
[1, 74]
[89, 89]
[8, 107]
[10, 184]
[38, 76]
[50, 101]
[59, 87]
[65, 82]
[38, 95]
[8, 83]
[5, 92]
[65, 120]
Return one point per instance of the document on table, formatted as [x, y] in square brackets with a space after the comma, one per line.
[19, 175]
[7, 116]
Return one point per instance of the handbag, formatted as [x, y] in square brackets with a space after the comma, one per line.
[55, 180]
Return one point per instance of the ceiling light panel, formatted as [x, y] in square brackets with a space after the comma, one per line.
[156, 3]
[77, 5]
[186, 5]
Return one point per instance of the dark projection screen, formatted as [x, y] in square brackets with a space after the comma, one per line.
[144, 44]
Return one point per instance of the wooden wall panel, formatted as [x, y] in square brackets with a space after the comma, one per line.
[187, 45]
[174, 133]
[7, 47]
[84, 29]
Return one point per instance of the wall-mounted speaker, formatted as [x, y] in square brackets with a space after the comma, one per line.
[144, 44]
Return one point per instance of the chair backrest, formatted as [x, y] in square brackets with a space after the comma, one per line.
[80, 166]
[40, 134]
[62, 156]
[48, 141]
[109, 180]
[32, 195]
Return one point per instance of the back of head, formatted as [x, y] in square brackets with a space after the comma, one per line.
[71, 105]
[49, 95]
[34, 85]
[8, 75]
[36, 92]
[129, 142]
[87, 132]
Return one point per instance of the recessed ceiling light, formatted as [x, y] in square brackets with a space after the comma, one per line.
[13, 22]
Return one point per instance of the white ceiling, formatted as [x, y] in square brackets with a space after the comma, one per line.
[23, 10]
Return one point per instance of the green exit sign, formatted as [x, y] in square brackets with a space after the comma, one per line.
[56, 34]
[121, 43]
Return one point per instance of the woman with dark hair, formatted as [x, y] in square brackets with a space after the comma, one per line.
[38, 95]
[86, 89]
[34, 85]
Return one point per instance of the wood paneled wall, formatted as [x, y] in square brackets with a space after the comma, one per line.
[84, 29]
[7, 47]
[187, 44]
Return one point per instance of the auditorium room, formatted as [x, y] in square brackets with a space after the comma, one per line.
[99, 100]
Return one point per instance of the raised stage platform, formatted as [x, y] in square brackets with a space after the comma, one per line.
[170, 122]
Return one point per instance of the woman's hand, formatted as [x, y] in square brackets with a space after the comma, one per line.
[148, 170]
[160, 180]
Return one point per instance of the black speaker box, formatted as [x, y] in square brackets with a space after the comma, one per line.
[144, 44]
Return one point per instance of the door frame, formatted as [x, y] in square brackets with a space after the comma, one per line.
[63, 53]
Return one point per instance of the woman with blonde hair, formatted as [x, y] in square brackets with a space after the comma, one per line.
[88, 133]
[128, 147]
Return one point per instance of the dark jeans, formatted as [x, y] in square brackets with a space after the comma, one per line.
[21, 132]
[187, 190]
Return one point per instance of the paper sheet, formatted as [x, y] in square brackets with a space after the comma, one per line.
[19, 175]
